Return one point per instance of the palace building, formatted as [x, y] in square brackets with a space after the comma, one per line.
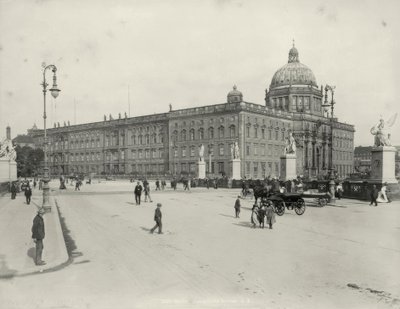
[168, 143]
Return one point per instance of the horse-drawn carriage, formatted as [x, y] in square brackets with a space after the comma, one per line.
[321, 198]
[287, 200]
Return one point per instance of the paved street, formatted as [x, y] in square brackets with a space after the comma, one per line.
[343, 256]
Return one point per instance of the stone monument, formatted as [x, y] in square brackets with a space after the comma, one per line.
[235, 155]
[8, 166]
[288, 159]
[383, 153]
[201, 165]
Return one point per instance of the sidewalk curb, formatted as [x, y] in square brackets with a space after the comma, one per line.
[62, 258]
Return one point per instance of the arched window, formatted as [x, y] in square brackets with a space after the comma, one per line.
[232, 131]
[183, 135]
[147, 139]
[175, 136]
[211, 133]
[191, 134]
[133, 140]
[221, 132]
[201, 133]
[154, 138]
[140, 139]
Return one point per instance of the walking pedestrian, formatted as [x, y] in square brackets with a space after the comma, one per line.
[339, 191]
[186, 184]
[270, 214]
[374, 195]
[157, 218]
[157, 185]
[28, 194]
[147, 193]
[40, 184]
[13, 190]
[34, 183]
[138, 193]
[38, 236]
[237, 207]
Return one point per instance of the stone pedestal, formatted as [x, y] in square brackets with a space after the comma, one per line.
[236, 169]
[201, 169]
[383, 164]
[288, 167]
[8, 170]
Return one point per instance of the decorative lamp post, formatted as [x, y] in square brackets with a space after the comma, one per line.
[330, 105]
[54, 92]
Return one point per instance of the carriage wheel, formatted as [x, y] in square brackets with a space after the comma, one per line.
[279, 208]
[300, 207]
[322, 202]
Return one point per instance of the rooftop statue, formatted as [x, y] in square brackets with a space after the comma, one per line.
[382, 138]
[7, 150]
[290, 147]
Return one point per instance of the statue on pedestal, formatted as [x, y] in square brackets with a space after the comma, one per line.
[382, 138]
[235, 152]
[7, 150]
[201, 152]
[290, 147]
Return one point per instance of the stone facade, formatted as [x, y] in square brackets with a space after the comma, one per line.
[168, 143]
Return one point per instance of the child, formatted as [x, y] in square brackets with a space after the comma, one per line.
[157, 218]
[270, 213]
[237, 207]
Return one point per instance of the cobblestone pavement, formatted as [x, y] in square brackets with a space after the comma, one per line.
[341, 256]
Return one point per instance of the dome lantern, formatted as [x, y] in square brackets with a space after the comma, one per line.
[293, 54]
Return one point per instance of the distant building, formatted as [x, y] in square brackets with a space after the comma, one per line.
[168, 143]
[363, 157]
[27, 139]
[24, 140]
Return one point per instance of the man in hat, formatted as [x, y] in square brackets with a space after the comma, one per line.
[138, 193]
[374, 195]
[157, 218]
[38, 235]
[237, 207]
[28, 194]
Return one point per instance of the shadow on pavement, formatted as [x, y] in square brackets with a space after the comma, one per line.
[31, 253]
[5, 272]
[244, 224]
[224, 215]
[145, 229]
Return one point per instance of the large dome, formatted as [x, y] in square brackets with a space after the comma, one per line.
[293, 73]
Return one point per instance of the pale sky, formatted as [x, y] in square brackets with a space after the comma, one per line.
[191, 53]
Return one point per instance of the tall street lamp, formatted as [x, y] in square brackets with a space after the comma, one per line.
[330, 105]
[54, 92]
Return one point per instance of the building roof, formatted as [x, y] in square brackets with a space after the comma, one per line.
[293, 73]
[23, 139]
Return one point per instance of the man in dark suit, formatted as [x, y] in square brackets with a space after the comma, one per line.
[237, 207]
[374, 195]
[138, 193]
[38, 236]
[28, 194]
[157, 218]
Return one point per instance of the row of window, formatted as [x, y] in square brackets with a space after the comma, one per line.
[192, 135]
[262, 169]
[343, 155]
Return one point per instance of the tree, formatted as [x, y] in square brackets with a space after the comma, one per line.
[29, 161]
